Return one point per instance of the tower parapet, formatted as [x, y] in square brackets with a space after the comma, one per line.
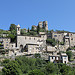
[45, 25]
[40, 24]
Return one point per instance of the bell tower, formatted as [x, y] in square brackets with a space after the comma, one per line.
[18, 29]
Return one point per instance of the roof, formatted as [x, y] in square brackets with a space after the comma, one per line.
[54, 55]
[63, 54]
[18, 25]
[31, 44]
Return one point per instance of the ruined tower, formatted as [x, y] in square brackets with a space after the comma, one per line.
[40, 24]
[45, 25]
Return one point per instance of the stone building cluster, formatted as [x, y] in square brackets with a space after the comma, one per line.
[29, 44]
[67, 38]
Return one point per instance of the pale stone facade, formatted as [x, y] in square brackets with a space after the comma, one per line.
[12, 46]
[51, 49]
[62, 58]
[67, 38]
[44, 25]
[22, 41]
[5, 42]
[32, 48]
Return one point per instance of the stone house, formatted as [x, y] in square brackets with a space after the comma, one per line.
[70, 39]
[5, 42]
[57, 36]
[32, 48]
[62, 58]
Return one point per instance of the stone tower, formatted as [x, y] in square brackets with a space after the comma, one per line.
[18, 29]
[45, 25]
[40, 24]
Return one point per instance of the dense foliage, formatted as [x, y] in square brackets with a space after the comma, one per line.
[69, 53]
[34, 66]
[51, 42]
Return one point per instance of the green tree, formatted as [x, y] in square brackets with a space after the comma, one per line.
[51, 42]
[23, 31]
[65, 70]
[37, 55]
[13, 37]
[38, 29]
[51, 69]
[5, 61]
[28, 30]
[36, 72]
[32, 28]
[69, 53]
[12, 68]
[12, 27]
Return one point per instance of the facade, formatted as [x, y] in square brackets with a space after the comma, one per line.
[4, 35]
[32, 48]
[5, 43]
[62, 58]
[57, 36]
[22, 41]
[50, 48]
[70, 39]
[67, 38]
[12, 46]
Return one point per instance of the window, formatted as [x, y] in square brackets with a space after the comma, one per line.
[7, 45]
[25, 37]
[29, 38]
[18, 29]
[61, 57]
[55, 35]
[12, 45]
[52, 57]
[55, 58]
[72, 39]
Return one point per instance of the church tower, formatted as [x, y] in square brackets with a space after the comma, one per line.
[18, 29]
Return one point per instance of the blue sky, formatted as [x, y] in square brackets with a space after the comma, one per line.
[60, 14]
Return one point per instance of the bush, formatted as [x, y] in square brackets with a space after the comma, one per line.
[36, 72]
[51, 42]
[69, 53]
[12, 68]
[37, 55]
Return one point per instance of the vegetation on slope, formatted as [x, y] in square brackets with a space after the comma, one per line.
[35, 66]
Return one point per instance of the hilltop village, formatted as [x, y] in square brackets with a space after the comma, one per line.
[51, 45]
